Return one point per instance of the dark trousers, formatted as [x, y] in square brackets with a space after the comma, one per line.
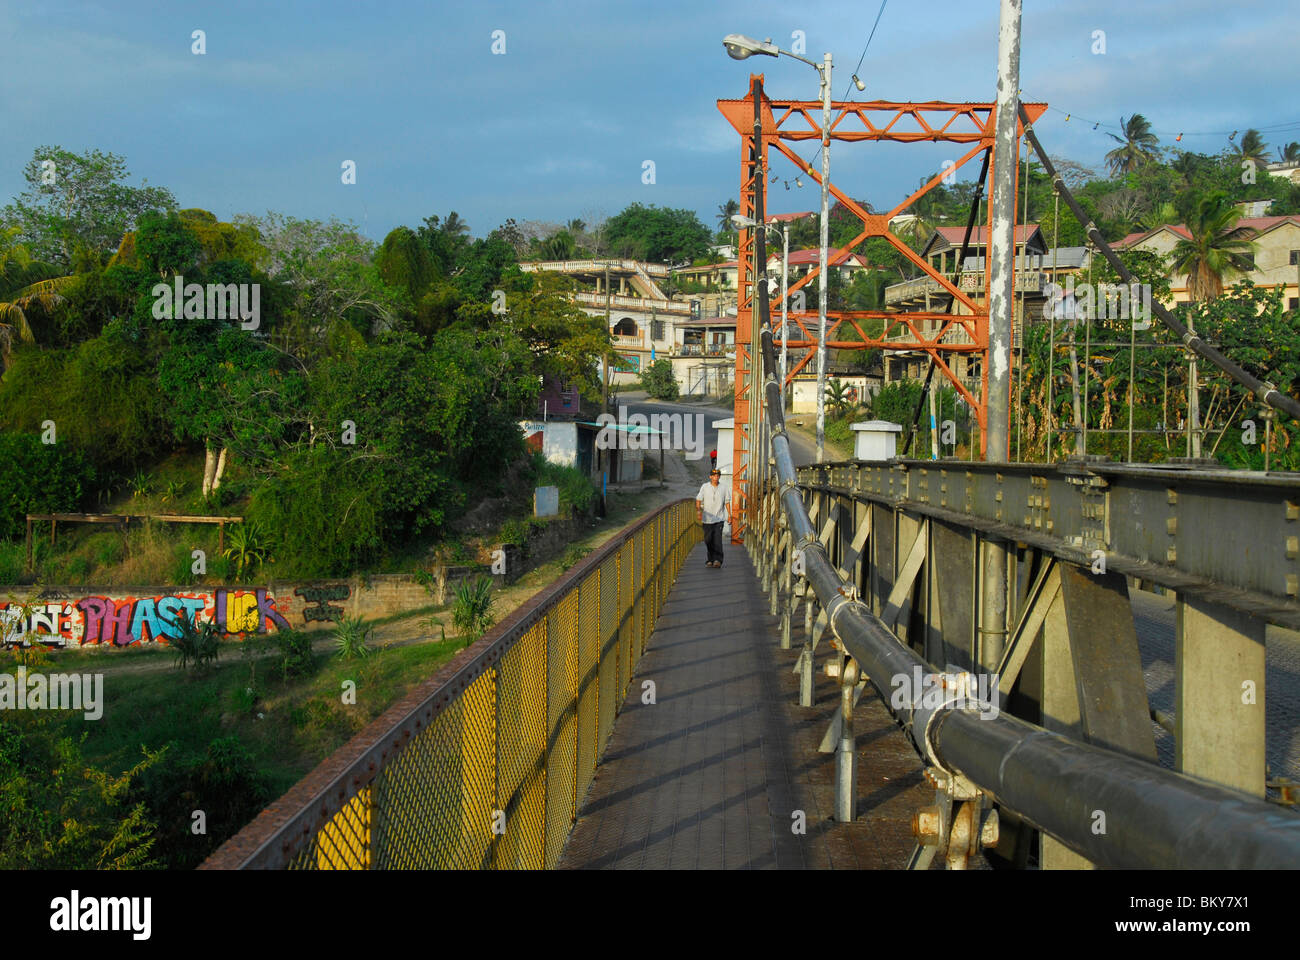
[713, 540]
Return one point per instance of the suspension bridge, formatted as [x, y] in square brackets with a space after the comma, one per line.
[902, 664]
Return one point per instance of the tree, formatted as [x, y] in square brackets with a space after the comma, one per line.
[1252, 148]
[1217, 246]
[1136, 147]
[1290, 153]
[657, 234]
[77, 208]
[658, 381]
[337, 293]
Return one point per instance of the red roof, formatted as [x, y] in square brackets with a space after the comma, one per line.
[1258, 224]
[813, 255]
[786, 217]
[955, 235]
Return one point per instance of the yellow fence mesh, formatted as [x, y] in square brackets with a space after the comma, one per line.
[495, 778]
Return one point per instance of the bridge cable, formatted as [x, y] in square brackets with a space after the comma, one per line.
[1267, 392]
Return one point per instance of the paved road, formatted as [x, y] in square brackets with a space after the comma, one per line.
[1153, 616]
[802, 450]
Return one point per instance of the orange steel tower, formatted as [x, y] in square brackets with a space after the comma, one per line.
[786, 122]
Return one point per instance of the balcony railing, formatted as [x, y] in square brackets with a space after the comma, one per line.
[640, 304]
[1027, 281]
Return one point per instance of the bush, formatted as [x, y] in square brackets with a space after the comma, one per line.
[350, 636]
[471, 611]
[38, 477]
[658, 380]
[58, 812]
[197, 646]
[576, 489]
[296, 658]
[13, 560]
[223, 781]
[573, 555]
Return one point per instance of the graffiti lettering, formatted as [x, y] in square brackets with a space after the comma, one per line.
[126, 620]
[320, 597]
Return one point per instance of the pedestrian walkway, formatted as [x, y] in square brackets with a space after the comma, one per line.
[714, 773]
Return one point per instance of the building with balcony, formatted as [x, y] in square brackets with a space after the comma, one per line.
[1036, 266]
[1276, 258]
[646, 324]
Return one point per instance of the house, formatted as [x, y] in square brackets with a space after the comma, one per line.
[1036, 266]
[1276, 259]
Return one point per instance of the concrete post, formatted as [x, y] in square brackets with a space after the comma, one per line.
[1219, 695]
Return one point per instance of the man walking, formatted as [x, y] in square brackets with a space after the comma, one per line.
[711, 505]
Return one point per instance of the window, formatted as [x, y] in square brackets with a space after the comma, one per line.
[1250, 260]
[1295, 258]
[656, 330]
[1293, 303]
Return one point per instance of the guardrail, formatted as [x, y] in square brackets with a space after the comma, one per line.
[1097, 798]
[485, 765]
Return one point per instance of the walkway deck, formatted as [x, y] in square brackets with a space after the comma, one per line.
[709, 775]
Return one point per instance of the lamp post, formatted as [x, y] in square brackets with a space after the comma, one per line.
[740, 47]
[748, 223]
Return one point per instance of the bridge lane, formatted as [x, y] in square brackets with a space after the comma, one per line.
[709, 775]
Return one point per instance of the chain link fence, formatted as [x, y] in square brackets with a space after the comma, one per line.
[485, 765]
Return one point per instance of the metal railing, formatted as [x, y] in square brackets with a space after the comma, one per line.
[1152, 817]
[486, 764]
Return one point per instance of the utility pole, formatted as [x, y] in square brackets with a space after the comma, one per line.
[822, 256]
[604, 386]
[1001, 251]
[785, 293]
[1193, 398]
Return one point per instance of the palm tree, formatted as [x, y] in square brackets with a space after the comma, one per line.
[1158, 216]
[1290, 153]
[454, 225]
[1217, 246]
[16, 265]
[1252, 148]
[1137, 146]
[725, 213]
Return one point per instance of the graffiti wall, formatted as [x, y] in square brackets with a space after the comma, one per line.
[59, 620]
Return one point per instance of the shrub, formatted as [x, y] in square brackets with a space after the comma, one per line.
[58, 812]
[658, 380]
[197, 646]
[37, 477]
[573, 555]
[350, 636]
[223, 781]
[13, 560]
[296, 658]
[471, 611]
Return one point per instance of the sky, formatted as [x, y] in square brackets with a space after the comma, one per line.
[561, 123]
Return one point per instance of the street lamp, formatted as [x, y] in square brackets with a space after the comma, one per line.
[740, 47]
[749, 223]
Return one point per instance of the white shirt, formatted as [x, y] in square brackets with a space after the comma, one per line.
[713, 501]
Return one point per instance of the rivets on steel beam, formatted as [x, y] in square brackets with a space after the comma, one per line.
[1292, 510]
[1173, 495]
[1292, 547]
[1171, 525]
[1171, 555]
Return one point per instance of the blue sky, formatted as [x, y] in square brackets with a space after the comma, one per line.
[560, 125]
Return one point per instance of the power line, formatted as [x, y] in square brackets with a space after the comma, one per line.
[864, 49]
